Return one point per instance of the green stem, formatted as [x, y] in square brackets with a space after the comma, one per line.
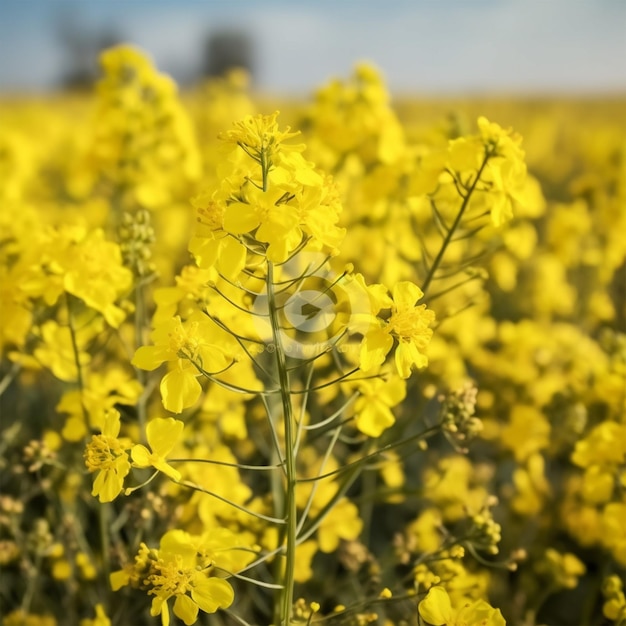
[140, 313]
[33, 581]
[286, 600]
[79, 377]
[9, 377]
[105, 540]
[457, 220]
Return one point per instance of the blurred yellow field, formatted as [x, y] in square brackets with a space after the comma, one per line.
[360, 361]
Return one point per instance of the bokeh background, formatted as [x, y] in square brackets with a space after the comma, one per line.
[443, 47]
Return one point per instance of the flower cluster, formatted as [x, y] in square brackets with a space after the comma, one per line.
[184, 568]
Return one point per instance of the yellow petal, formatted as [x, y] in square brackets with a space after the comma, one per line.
[232, 257]
[374, 349]
[167, 469]
[163, 434]
[149, 357]
[435, 608]
[374, 419]
[406, 293]
[179, 390]
[159, 605]
[212, 594]
[111, 426]
[141, 456]
[186, 609]
[240, 218]
[205, 250]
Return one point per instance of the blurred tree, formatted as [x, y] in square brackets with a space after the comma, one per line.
[82, 47]
[226, 49]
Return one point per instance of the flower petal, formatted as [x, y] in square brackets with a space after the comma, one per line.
[163, 434]
[212, 594]
[149, 357]
[374, 349]
[406, 293]
[186, 609]
[179, 390]
[141, 456]
[240, 218]
[435, 608]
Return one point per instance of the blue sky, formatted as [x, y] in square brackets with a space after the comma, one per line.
[435, 46]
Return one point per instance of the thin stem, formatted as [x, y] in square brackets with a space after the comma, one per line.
[140, 315]
[33, 581]
[105, 538]
[443, 292]
[267, 518]
[373, 455]
[334, 416]
[327, 455]
[9, 377]
[226, 464]
[457, 220]
[348, 480]
[290, 461]
[303, 406]
[79, 376]
[254, 581]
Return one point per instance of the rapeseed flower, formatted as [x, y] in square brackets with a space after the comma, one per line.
[107, 455]
[187, 346]
[436, 609]
[260, 137]
[100, 619]
[162, 434]
[179, 570]
[372, 408]
[408, 324]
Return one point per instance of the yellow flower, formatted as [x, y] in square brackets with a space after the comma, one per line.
[139, 121]
[505, 171]
[162, 434]
[185, 567]
[101, 391]
[342, 522]
[436, 609]
[83, 263]
[211, 244]
[186, 346]
[279, 205]
[531, 486]
[174, 571]
[408, 324]
[106, 454]
[604, 445]
[100, 619]
[373, 406]
[20, 617]
[614, 606]
[562, 570]
[56, 351]
[259, 136]
[527, 432]
[614, 531]
[275, 221]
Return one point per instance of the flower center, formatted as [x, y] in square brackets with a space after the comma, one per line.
[169, 577]
[101, 453]
[406, 322]
[182, 341]
[212, 215]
